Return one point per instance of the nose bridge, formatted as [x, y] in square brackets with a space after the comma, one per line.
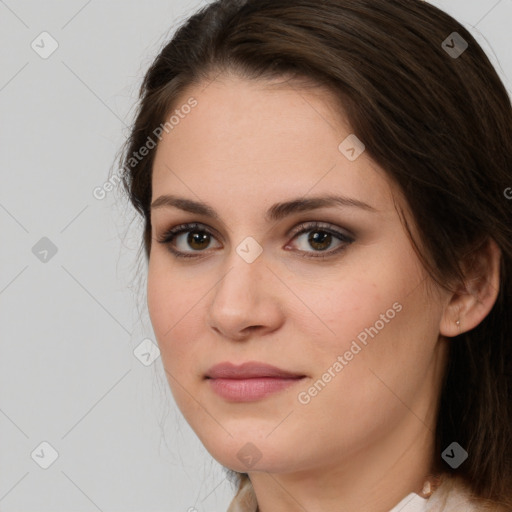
[246, 266]
[240, 299]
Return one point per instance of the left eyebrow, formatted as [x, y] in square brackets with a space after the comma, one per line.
[274, 213]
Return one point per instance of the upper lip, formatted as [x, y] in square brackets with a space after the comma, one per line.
[248, 370]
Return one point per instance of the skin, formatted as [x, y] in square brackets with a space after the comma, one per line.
[366, 440]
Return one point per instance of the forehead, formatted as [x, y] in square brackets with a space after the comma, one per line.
[261, 138]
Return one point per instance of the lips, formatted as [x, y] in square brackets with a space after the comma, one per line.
[249, 381]
[249, 370]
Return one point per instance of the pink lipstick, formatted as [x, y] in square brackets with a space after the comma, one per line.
[249, 381]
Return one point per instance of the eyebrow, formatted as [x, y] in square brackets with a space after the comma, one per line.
[274, 213]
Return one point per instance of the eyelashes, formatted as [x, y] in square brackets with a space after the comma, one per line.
[321, 235]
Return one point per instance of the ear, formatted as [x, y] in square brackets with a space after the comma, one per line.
[474, 299]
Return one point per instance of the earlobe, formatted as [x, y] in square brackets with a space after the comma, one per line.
[473, 301]
[451, 324]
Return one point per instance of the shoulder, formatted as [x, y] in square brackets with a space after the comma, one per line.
[454, 495]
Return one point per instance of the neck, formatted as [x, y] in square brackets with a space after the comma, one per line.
[374, 479]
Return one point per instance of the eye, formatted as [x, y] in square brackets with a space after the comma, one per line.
[321, 237]
[198, 238]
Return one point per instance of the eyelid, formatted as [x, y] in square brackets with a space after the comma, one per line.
[345, 238]
[179, 229]
[310, 225]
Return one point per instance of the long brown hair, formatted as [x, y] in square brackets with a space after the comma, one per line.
[432, 113]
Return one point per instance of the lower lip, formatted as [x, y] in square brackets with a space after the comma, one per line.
[247, 390]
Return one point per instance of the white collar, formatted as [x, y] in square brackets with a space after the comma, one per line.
[411, 503]
[245, 501]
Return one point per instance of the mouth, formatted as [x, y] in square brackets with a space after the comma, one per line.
[250, 381]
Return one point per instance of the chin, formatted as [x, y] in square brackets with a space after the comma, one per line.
[245, 453]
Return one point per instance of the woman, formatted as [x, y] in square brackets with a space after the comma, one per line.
[328, 238]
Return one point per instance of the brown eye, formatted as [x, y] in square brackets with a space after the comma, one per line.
[198, 240]
[320, 238]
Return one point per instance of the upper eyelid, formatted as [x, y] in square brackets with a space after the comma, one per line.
[307, 217]
[299, 229]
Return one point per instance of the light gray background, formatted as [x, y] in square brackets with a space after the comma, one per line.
[69, 326]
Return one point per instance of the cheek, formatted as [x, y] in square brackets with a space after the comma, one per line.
[382, 326]
[338, 314]
[339, 311]
[376, 314]
[174, 318]
[170, 306]
[382, 358]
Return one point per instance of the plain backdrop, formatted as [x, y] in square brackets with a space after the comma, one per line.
[86, 423]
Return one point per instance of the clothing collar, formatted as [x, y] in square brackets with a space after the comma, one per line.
[245, 500]
[453, 495]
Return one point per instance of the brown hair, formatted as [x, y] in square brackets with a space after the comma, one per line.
[439, 124]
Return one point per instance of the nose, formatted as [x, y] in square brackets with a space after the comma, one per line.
[246, 300]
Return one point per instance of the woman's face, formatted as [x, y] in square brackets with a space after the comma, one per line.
[345, 307]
